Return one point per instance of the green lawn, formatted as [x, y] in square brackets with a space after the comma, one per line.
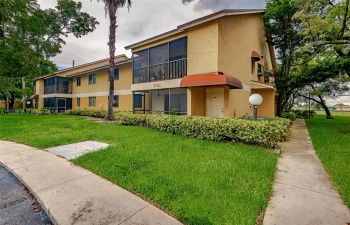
[331, 140]
[197, 181]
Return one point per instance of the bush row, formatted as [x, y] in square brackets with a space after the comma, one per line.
[263, 132]
[302, 114]
[85, 112]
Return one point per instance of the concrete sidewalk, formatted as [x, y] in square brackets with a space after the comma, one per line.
[73, 195]
[303, 192]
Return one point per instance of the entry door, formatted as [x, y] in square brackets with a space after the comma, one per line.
[215, 102]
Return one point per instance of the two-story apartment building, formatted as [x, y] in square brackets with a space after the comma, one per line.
[207, 67]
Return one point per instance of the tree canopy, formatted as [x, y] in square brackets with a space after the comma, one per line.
[312, 41]
[30, 36]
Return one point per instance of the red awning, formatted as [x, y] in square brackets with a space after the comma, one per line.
[255, 56]
[34, 97]
[210, 79]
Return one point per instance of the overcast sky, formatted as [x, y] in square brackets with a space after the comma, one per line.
[146, 19]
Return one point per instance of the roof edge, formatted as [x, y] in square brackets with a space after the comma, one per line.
[196, 22]
[82, 65]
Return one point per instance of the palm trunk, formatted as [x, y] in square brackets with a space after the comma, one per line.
[111, 44]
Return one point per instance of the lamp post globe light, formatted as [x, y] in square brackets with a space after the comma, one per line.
[255, 100]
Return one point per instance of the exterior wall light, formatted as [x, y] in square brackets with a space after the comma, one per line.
[255, 100]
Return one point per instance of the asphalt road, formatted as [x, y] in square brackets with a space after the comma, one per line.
[17, 205]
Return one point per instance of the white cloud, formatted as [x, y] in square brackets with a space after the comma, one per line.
[146, 18]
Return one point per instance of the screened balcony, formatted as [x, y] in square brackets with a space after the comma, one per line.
[163, 62]
[60, 85]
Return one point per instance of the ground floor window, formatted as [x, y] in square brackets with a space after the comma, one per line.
[58, 105]
[115, 101]
[92, 101]
[78, 102]
[138, 100]
[163, 101]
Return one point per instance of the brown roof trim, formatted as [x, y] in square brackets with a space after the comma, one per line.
[262, 84]
[154, 38]
[211, 79]
[99, 68]
[82, 65]
[182, 27]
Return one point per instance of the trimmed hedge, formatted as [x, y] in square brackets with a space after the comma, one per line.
[93, 113]
[289, 115]
[302, 114]
[262, 132]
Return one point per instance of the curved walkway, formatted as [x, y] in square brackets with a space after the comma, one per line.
[303, 192]
[73, 195]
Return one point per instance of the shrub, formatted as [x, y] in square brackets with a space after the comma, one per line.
[289, 115]
[303, 114]
[264, 132]
[85, 112]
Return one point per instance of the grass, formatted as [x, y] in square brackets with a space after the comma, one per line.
[197, 181]
[331, 140]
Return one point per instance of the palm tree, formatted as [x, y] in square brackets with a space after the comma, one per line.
[111, 7]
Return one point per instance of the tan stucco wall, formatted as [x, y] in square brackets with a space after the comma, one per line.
[125, 103]
[39, 87]
[202, 50]
[267, 107]
[40, 103]
[125, 77]
[238, 37]
[102, 83]
[15, 105]
[196, 101]
[238, 104]
[85, 87]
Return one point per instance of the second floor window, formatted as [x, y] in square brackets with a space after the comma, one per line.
[78, 81]
[92, 78]
[116, 74]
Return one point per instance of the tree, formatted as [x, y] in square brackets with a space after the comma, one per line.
[111, 7]
[282, 26]
[325, 25]
[29, 36]
[331, 88]
[305, 59]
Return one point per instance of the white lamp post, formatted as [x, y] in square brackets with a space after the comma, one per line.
[255, 100]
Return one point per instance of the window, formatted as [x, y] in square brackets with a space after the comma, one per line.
[92, 101]
[137, 100]
[116, 74]
[162, 62]
[158, 54]
[140, 66]
[178, 49]
[260, 70]
[78, 81]
[92, 78]
[78, 102]
[115, 101]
